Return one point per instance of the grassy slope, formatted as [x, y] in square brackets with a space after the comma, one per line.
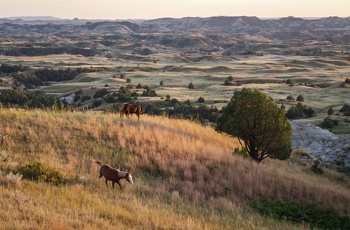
[185, 175]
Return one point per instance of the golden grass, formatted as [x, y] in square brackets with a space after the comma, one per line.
[186, 175]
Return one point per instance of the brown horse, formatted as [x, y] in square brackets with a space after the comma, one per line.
[113, 175]
[130, 109]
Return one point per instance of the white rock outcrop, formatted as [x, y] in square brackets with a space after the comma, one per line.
[322, 144]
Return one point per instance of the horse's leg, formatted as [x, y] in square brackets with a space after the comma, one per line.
[138, 116]
[120, 186]
[113, 184]
[106, 183]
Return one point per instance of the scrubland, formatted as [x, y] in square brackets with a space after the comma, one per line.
[186, 176]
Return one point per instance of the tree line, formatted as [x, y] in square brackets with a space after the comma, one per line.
[43, 51]
[40, 77]
[20, 99]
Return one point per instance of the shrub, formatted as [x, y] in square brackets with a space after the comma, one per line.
[167, 97]
[96, 103]
[227, 82]
[345, 109]
[77, 98]
[317, 168]
[111, 99]
[201, 99]
[290, 82]
[85, 98]
[173, 102]
[309, 112]
[290, 98]
[191, 86]
[329, 123]
[300, 110]
[100, 93]
[300, 98]
[148, 92]
[330, 111]
[39, 172]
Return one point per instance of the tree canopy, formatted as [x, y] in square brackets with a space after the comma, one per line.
[258, 123]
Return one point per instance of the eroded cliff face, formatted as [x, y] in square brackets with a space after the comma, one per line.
[322, 144]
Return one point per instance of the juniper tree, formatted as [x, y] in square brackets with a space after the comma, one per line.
[259, 124]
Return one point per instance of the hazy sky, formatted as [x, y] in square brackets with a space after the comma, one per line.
[147, 9]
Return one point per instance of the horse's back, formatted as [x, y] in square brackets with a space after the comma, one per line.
[108, 172]
[131, 109]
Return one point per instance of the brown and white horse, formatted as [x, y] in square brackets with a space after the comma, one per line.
[113, 175]
[130, 109]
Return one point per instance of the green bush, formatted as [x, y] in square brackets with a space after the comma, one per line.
[290, 98]
[227, 82]
[345, 109]
[39, 172]
[317, 168]
[290, 82]
[300, 213]
[85, 98]
[96, 103]
[148, 92]
[100, 93]
[330, 111]
[201, 100]
[300, 98]
[329, 123]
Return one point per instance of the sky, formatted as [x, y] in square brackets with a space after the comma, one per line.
[150, 9]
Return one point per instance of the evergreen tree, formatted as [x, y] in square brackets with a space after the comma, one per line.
[258, 123]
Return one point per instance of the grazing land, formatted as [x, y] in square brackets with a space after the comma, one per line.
[186, 176]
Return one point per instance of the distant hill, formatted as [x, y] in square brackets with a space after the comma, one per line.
[334, 29]
[33, 18]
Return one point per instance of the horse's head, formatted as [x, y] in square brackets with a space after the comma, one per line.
[129, 178]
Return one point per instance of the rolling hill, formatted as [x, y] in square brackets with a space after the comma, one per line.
[186, 176]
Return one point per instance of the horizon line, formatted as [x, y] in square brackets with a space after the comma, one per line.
[75, 18]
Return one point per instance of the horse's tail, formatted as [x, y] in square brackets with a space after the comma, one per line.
[141, 110]
[98, 162]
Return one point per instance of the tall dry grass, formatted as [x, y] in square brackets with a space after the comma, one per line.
[186, 175]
